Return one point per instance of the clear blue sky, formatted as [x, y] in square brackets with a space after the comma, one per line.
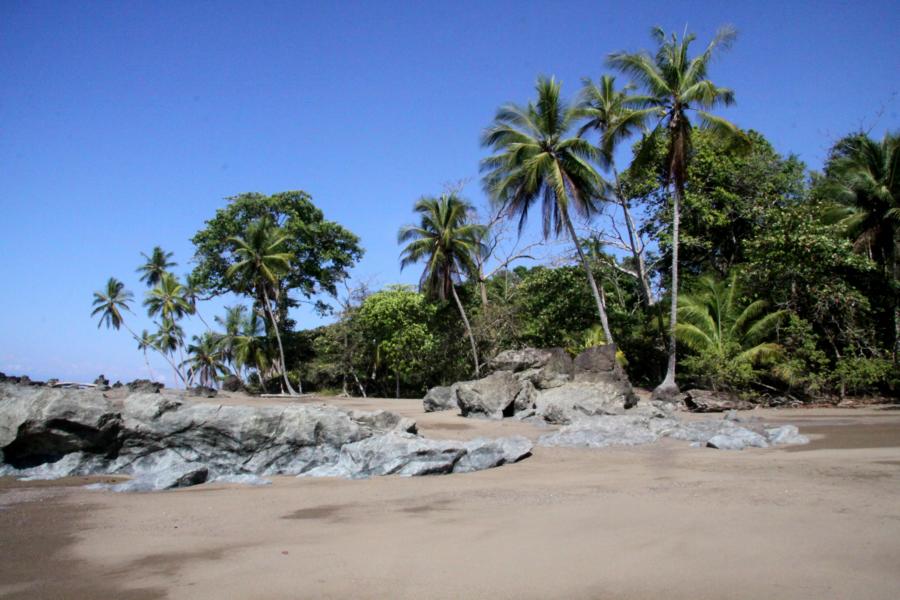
[125, 124]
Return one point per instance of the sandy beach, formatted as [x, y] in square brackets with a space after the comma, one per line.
[665, 520]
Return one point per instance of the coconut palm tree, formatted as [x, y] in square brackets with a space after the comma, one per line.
[156, 264]
[169, 338]
[448, 243]
[262, 258]
[677, 85]
[250, 348]
[167, 299]
[111, 303]
[144, 342]
[205, 360]
[231, 324]
[713, 323]
[191, 293]
[863, 180]
[617, 114]
[536, 160]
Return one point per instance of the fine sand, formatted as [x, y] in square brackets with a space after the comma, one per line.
[659, 521]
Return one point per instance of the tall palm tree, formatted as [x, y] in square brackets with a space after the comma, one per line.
[144, 342]
[156, 264]
[250, 349]
[191, 293]
[168, 339]
[863, 179]
[448, 243]
[262, 259]
[205, 360]
[536, 161]
[676, 85]
[111, 303]
[616, 114]
[231, 325]
[713, 322]
[167, 299]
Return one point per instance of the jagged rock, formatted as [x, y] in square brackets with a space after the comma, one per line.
[785, 435]
[399, 453]
[600, 432]
[491, 396]
[24, 380]
[442, 397]
[117, 385]
[712, 401]
[737, 439]
[544, 368]
[164, 441]
[202, 391]
[574, 401]
[145, 386]
[232, 383]
[102, 382]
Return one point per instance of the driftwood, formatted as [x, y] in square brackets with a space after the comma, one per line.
[72, 384]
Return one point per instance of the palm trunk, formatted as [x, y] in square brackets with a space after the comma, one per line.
[668, 389]
[280, 347]
[643, 278]
[590, 276]
[164, 355]
[462, 313]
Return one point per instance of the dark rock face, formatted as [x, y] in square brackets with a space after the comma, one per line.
[232, 383]
[711, 401]
[439, 398]
[493, 396]
[201, 391]
[102, 382]
[144, 386]
[163, 440]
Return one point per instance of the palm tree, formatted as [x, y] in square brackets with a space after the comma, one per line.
[110, 304]
[262, 258]
[863, 180]
[205, 360]
[535, 161]
[231, 323]
[616, 115]
[250, 346]
[676, 84]
[157, 264]
[147, 341]
[191, 293]
[168, 299]
[715, 325]
[448, 243]
[169, 338]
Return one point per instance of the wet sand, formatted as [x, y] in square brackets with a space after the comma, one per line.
[660, 521]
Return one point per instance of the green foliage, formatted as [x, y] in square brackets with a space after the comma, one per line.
[729, 337]
[205, 362]
[395, 322]
[859, 375]
[321, 251]
[554, 306]
[155, 266]
[110, 303]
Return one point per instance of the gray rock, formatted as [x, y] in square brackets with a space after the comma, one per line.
[163, 440]
[493, 396]
[442, 397]
[144, 386]
[784, 435]
[600, 432]
[704, 401]
[737, 439]
[232, 383]
[202, 391]
[544, 368]
[486, 454]
[575, 401]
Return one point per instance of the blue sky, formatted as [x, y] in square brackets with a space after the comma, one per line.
[124, 125]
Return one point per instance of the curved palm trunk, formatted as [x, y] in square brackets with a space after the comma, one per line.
[164, 355]
[462, 313]
[668, 389]
[280, 347]
[601, 309]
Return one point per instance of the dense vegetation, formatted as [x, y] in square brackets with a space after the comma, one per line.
[706, 250]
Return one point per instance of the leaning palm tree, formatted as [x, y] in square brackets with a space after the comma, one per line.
[448, 243]
[676, 85]
[535, 161]
[168, 299]
[191, 293]
[250, 348]
[863, 181]
[714, 324]
[617, 114]
[231, 325]
[110, 303]
[205, 360]
[144, 342]
[156, 264]
[262, 258]
[169, 338]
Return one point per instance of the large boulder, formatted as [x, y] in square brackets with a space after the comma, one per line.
[575, 401]
[492, 396]
[544, 368]
[167, 440]
[232, 383]
[442, 397]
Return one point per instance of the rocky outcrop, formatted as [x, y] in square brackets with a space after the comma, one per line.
[492, 396]
[232, 383]
[166, 440]
[442, 397]
[703, 401]
[544, 368]
[574, 401]
[631, 430]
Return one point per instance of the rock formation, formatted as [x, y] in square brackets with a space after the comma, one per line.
[167, 440]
